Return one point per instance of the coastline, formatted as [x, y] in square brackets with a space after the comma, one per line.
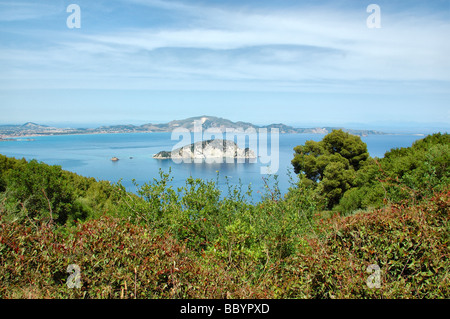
[6, 137]
[17, 137]
[211, 123]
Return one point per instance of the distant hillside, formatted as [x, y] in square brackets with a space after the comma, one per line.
[214, 123]
[32, 129]
[220, 125]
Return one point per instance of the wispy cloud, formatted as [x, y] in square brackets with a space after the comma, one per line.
[21, 11]
[276, 48]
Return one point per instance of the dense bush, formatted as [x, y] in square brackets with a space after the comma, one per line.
[119, 259]
[408, 243]
[195, 242]
[402, 174]
[37, 190]
[116, 259]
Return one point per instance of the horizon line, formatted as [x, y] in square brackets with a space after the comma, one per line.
[404, 127]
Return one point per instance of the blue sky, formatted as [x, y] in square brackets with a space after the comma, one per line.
[308, 63]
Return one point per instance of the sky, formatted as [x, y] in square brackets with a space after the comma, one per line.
[302, 63]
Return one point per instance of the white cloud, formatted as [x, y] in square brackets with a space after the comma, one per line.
[20, 11]
[277, 48]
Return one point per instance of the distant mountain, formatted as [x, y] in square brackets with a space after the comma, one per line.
[211, 123]
[31, 129]
[208, 122]
[221, 124]
[33, 126]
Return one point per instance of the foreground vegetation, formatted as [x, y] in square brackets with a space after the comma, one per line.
[345, 212]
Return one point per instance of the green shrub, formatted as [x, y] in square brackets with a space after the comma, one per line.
[195, 242]
[408, 243]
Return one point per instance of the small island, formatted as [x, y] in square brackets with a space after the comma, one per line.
[209, 149]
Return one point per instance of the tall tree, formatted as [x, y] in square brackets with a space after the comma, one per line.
[331, 163]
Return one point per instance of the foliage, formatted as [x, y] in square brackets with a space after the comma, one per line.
[331, 163]
[119, 259]
[196, 242]
[403, 174]
[408, 243]
[37, 190]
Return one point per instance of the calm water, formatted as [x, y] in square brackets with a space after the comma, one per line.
[90, 155]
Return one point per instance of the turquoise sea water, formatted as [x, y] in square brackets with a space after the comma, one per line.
[90, 155]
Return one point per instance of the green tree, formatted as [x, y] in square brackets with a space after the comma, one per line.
[331, 163]
[403, 173]
[40, 189]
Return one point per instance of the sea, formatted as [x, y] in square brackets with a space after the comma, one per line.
[90, 155]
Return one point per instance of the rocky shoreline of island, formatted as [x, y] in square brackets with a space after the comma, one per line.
[210, 149]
